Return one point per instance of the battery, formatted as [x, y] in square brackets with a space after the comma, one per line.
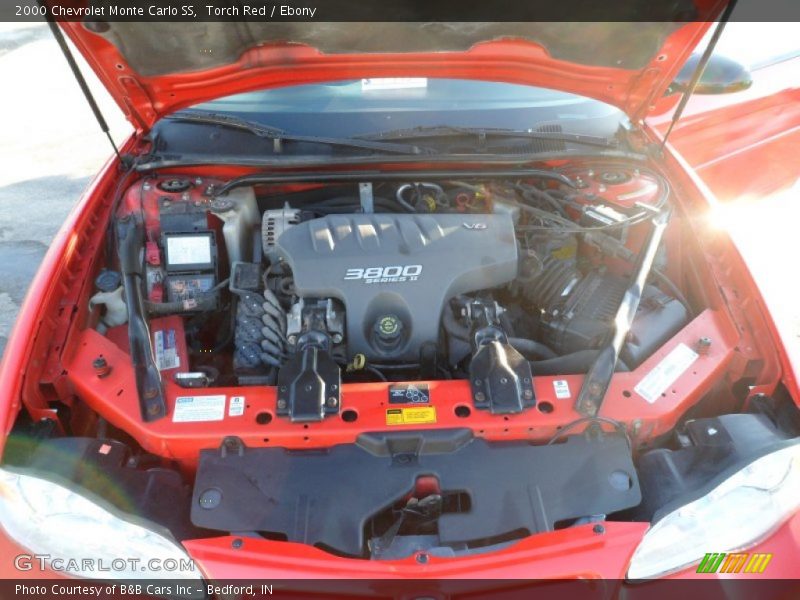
[190, 264]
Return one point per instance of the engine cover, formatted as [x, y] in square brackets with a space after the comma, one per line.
[394, 273]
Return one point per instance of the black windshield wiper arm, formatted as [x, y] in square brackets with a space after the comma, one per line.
[278, 135]
[481, 133]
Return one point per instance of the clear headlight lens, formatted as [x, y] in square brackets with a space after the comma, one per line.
[50, 520]
[739, 512]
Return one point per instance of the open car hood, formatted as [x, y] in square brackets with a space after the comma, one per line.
[155, 68]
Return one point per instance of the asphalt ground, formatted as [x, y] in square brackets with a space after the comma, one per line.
[50, 147]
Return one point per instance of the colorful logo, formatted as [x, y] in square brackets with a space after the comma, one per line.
[741, 562]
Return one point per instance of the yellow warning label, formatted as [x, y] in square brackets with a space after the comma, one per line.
[411, 416]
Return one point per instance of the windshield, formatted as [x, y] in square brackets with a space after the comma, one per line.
[366, 106]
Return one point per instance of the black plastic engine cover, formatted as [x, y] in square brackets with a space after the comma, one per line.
[326, 497]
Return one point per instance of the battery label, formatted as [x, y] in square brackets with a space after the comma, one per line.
[419, 415]
[166, 350]
[236, 407]
[561, 388]
[189, 250]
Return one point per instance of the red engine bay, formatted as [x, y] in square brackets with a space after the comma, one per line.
[264, 326]
[677, 378]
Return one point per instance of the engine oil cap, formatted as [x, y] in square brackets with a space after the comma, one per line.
[388, 332]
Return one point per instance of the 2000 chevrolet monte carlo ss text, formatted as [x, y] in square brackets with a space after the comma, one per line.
[396, 300]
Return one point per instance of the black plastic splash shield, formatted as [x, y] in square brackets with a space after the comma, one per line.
[326, 497]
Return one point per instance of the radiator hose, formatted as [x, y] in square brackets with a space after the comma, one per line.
[576, 363]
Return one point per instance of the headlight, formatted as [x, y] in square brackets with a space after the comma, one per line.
[739, 512]
[49, 519]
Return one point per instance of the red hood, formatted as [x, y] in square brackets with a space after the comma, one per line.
[153, 68]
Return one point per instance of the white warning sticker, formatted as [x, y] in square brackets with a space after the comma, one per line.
[191, 409]
[665, 373]
[561, 387]
[236, 406]
[165, 349]
[189, 249]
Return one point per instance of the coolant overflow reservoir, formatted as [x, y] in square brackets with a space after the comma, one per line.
[116, 311]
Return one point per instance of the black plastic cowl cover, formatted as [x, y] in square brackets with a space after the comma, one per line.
[325, 498]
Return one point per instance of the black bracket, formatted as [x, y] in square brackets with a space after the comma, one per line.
[501, 379]
[149, 386]
[500, 376]
[310, 383]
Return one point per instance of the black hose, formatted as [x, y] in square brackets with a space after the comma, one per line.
[577, 363]
[531, 348]
[453, 327]
[199, 304]
[673, 289]
[395, 366]
[375, 371]
[526, 347]
[402, 202]
[348, 201]
[335, 208]
[529, 192]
